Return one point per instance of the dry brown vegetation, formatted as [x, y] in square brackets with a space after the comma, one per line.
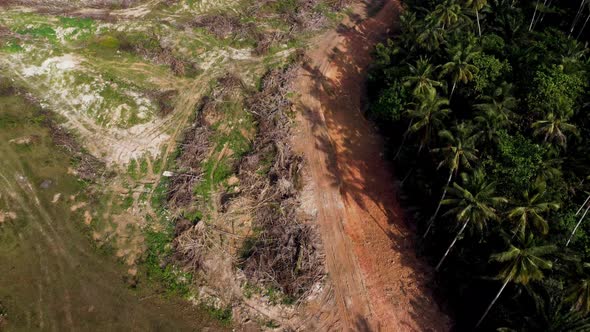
[280, 249]
[161, 54]
[194, 147]
[224, 25]
[165, 100]
[66, 4]
[285, 252]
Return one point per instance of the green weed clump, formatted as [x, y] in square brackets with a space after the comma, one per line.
[223, 315]
[174, 280]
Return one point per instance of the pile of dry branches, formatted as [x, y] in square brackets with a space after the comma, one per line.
[165, 100]
[190, 244]
[196, 145]
[194, 148]
[223, 25]
[164, 56]
[68, 4]
[286, 252]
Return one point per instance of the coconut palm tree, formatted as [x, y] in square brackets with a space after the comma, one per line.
[431, 37]
[420, 78]
[459, 151]
[550, 169]
[428, 114]
[476, 6]
[500, 105]
[474, 202]
[553, 129]
[446, 14]
[572, 56]
[409, 25]
[528, 213]
[521, 264]
[552, 315]
[460, 68]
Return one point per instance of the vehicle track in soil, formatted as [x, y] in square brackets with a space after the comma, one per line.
[376, 282]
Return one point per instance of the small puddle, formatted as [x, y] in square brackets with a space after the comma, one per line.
[52, 277]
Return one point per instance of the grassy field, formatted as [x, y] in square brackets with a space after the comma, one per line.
[53, 277]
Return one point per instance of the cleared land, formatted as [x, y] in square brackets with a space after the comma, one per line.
[210, 91]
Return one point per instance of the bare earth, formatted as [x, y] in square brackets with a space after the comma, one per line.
[376, 281]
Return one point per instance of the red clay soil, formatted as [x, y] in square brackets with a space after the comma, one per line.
[376, 282]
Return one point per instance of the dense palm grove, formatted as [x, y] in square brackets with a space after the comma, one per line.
[486, 104]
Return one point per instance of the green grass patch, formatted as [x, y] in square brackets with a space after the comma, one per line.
[228, 132]
[12, 46]
[158, 248]
[223, 315]
[132, 169]
[77, 22]
[143, 166]
[42, 31]
[159, 195]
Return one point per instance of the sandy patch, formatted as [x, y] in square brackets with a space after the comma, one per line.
[56, 198]
[87, 218]
[5, 216]
[77, 206]
[132, 271]
[65, 62]
[25, 140]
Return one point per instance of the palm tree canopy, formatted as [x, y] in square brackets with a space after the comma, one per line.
[431, 37]
[460, 147]
[529, 212]
[524, 263]
[428, 114]
[447, 13]
[476, 4]
[553, 129]
[475, 200]
[420, 77]
[460, 67]
[499, 106]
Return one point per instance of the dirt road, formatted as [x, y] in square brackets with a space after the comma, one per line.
[376, 281]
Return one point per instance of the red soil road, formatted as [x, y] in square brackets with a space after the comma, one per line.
[375, 278]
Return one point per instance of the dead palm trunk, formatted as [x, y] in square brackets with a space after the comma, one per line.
[577, 225]
[452, 244]
[403, 140]
[431, 222]
[492, 304]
